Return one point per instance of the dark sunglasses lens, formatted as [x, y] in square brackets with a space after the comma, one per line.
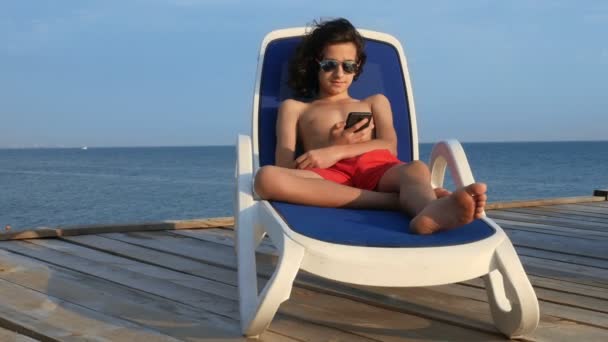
[349, 67]
[328, 65]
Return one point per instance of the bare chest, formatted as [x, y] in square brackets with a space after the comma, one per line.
[315, 125]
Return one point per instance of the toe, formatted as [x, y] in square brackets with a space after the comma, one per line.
[476, 189]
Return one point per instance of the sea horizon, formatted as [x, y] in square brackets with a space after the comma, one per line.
[228, 145]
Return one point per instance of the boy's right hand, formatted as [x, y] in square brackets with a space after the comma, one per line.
[319, 158]
[342, 136]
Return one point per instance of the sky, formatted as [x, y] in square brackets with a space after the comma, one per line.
[181, 72]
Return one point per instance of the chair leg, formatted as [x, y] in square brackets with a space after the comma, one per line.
[276, 291]
[246, 237]
[513, 303]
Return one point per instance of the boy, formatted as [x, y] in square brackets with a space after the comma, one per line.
[351, 167]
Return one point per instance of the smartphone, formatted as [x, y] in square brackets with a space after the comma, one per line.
[354, 117]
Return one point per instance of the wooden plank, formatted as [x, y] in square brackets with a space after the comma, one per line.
[146, 256]
[569, 258]
[563, 244]
[12, 336]
[582, 208]
[560, 215]
[148, 278]
[568, 300]
[168, 317]
[596, 217]
[551, 229]
[159, 240]
[505, 215]
[547, 201]
[603, 204]
[569, 287]
[565, 271]
[578, 213]
[378, 322]
[554, 309]
[53, 319]
[408, 323]
[509, 226]
[575, 221]
[46, 232]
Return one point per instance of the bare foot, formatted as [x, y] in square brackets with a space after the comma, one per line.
[456, 209]
[441, 192]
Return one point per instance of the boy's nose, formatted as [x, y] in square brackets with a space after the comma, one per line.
[339, 71]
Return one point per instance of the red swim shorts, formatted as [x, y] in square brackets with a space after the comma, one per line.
[363, 171]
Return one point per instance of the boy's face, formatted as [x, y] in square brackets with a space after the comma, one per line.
[338, 80]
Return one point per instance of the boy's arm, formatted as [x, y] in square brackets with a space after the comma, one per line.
[386, 138]
[287, 123]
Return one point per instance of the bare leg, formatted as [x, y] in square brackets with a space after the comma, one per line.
[419, 200]
[413, 183]
[306, 187]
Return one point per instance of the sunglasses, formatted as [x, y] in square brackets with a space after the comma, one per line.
[349, 67]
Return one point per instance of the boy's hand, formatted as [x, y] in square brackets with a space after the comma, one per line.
[341, 136]
[319, 158]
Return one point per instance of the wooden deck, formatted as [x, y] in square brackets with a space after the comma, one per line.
[168, 283]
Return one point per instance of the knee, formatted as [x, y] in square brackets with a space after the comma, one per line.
[417, 169]
[264, 182]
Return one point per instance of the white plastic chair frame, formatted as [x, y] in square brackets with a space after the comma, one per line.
[512, 300]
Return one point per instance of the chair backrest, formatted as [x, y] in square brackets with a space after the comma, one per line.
[384, 72]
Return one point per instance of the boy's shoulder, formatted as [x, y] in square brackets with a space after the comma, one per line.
[293, 102]
[376, 98]
[293, 106]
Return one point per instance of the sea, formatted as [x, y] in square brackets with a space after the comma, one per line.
[53, 187]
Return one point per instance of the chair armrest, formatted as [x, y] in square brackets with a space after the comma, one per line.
[243, 173]
[450, 154]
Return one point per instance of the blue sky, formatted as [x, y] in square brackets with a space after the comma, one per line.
[181, 72]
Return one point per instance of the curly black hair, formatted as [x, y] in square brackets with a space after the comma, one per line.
[304, 66]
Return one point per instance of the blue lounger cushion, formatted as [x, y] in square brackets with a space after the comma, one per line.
[372, 228]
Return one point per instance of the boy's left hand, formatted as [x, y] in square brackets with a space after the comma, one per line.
[346, 136]
[319, 158]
